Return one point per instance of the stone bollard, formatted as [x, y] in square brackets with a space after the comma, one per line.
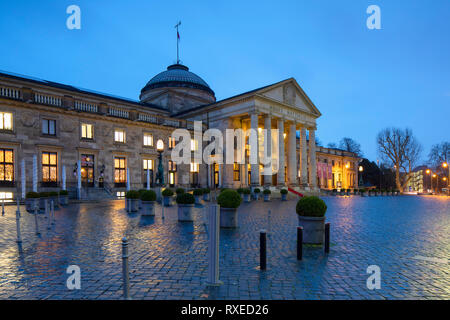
[3, 207]
[299, 243]
[36, 220]
[162, 210]
[125, 270]
[213, 245]
[19, 235]
[262, 250]
[327, 237]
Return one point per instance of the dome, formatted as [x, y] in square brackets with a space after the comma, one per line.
[177, 75]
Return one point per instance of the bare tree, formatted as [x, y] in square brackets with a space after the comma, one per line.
[401, 150]
[332, 145]
[439, 154]
[348, 144]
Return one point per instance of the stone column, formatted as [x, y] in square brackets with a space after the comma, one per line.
[292, 155]
[254, 150]
[280, 175]
[303, 158]
[268, 151]
[312, 158]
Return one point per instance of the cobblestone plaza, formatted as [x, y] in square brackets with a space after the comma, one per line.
[407, 237]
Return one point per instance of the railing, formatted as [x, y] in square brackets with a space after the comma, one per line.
[120, 113]
[84, 106]
[48, 100]
[170, 123]
[147, 118]
[10, 93]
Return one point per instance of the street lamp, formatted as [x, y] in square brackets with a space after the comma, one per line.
[361, 169]
[160, 173]
[445, 165]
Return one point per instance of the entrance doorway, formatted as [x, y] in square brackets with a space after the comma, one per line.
[87, 170]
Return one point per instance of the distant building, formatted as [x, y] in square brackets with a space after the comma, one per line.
[419, 180]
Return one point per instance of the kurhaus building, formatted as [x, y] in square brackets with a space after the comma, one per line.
[50, 128]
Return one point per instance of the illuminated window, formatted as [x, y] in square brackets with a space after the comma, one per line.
[194, 145]
[171, 143]
[194, 167]
[148, 164]
[120, 171]
[87, 131]
[172, 166]
[6, 122]
[236, 172]
[6, 167]
[49, 167]
[6, 196]
[49, 127]
[119, 136]
[120, 194]
[148, 140]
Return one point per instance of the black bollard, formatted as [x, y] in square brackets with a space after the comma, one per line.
[125, 270]
[327, 237]
[262, 248]
[299, 243]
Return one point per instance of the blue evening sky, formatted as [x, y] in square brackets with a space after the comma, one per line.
[361, 80]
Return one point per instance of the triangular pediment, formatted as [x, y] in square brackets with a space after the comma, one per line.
[289, 92]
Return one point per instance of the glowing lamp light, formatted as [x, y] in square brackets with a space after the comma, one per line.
[160, 145]
[445, 178]
[445, 164]
[428, 171]
[259, 130]
[361, 168]
[434, 175]
[284, 135]
[347, 166]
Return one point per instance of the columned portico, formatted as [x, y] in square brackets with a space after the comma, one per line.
[255, 166]
[303, 158]
[280, 174]
[268, 151]
[292, 154]
[312, 158]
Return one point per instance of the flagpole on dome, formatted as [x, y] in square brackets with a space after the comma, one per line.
[178, 41]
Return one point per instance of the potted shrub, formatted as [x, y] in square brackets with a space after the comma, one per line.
[132, 197]
[197, 195]
[241, 192]
[348, 192]
[167, 195]
[206, 194]
[31, 201]
[334, 192]
[179, 191]
[63, 197]
[185, 203]
[283, 193]
[246, 193]
[396, 192]
[256, 193]
[267, 193]
[43, 198]
[364, 193]
[148, 198]
[229, 201]
[311, 216]
[141, 191]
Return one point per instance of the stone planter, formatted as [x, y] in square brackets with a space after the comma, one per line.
[167, 201]
[365, 194]
[206, 197]
[148, 208]
[313, 229]
[266, 197]
[228, 218]
[64, 200]
[256, 196]
[133, 205]
[247, 198]
[31, 204]
[185, 212]
[42, 203]
[347, 193]
[284, 197]
[198, 200]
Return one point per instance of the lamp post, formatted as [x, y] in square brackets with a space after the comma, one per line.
[433, 176]
[160, 173]
[445, 166]
[361, 169]
[428, 171]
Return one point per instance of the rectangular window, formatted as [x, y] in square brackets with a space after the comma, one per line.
[148, 140]
[6, 196]
[171, 143]
[119, 136]
[87, 131]
[172, 166]
[194, 167]
[120, 171]
[6, 121]
[236, 172]
[6, 167]
[49, 127]
[147, 164]
[49, 168]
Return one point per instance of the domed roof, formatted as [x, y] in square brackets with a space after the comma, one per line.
[177, 75]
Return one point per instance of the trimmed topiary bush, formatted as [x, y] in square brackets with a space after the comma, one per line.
[267, 191]
[44, 194]
[256, 190]
[148, 195]
[311, 207]
[32, 195]
[179, 191]
[246, 191]
[132, 194]
[53, 194]
[283, 191]
[240, 190]
[185, 198]
[63, 193]
[198, 192]
[206, 190]
[168, 192]
[229, 199]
